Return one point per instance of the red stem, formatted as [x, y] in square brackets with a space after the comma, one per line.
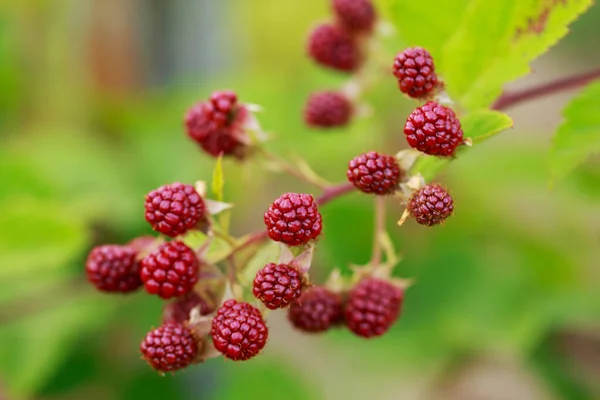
[331, 193]
[511, 99]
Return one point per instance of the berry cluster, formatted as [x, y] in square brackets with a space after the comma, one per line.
[338, 45]
[209, 312]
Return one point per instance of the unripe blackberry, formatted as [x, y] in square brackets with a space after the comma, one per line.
[293, 219]
[170, 347]
[355, 15]
[276, 285]
[332, 47]
[218, 125]
[174, 209]
[372, 307]
[239, 331]
[434, 130]
[415, 72]
[171, 270]
[179, 310]
[113, 268]
[316, 310]
[431, 205]
[327, 110]
[374, 173]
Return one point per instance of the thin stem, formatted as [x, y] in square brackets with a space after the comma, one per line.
[378, 231]
[333, 192]
[289, 168]
[508, 100]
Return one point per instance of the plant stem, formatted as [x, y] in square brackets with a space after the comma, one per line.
[289, 168]
[378, 230]
[329, 194]
[508, 100]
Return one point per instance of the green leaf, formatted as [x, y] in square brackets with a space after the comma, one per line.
[268, 253]
[480, 45]
[38, 343]
[579, 135]
[218, 179]
[36, 236]
[496, 42]
[478, 125]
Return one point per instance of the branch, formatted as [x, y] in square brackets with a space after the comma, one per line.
[508, 100]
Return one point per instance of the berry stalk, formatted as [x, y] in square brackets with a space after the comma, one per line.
[508, 100]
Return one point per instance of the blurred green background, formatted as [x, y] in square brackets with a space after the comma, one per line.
[92, 94]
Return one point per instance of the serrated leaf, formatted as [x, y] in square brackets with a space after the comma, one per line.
[218, 179]
[478, 125]
[480, 45]
[579, 135]
[496, 42]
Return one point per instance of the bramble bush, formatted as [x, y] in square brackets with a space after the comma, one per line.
[219, 303]
[212, 292]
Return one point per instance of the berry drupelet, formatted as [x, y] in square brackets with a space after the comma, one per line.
[170, 347]
[374, 173]
[276, 285]
[238, 330]
[293, 219]
[113, 268]
[332, 47]
[327, 109]
[415, 72]
[431, 205]
[174, 209]
[171, 270]
[434, 130]
[372, 307]
[316, 310]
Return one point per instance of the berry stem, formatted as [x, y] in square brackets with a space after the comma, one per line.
[378, 231]
[508, 100]
[285, 166]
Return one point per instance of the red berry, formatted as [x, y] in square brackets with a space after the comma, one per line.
[170, 347]
[434, 130]
[327, 109]
[372, 307]
[174, 209]
[374, 173]
[332, 47]
[415, 72]
[431, 205]
[293, 219]
[113, 268]
[218, 125]
[239, 331]
[276, 285]
[355, 15]
[316, 310]
[179, 310]
[170, 271]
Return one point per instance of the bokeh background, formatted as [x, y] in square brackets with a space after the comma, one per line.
[92, 94]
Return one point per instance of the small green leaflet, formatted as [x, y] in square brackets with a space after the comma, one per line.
[579, 135]
[478, 126]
